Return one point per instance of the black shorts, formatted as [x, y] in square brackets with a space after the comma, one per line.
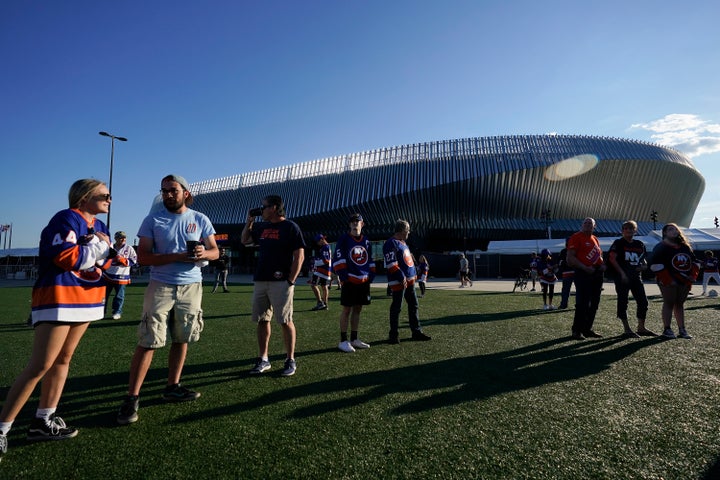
[317, 280]
[353, 294]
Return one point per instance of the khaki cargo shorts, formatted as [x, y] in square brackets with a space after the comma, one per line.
[170, 310]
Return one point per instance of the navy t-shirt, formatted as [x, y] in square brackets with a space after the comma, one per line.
[277, 243]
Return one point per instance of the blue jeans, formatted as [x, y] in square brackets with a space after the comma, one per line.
[119, 299]
[396, 305]
[565, 293]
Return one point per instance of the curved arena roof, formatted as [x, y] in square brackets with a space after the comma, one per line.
[465, 192]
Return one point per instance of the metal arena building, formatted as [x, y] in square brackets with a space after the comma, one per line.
[463, 193]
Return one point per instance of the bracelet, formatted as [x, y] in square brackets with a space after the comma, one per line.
[290, 283]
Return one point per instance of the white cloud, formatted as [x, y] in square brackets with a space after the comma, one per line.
[685, 132]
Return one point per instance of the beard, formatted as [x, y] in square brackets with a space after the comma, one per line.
[172, 205]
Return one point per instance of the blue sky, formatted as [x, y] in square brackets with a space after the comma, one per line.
[215, 88]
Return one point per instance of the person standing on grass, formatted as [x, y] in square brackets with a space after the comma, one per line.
[675, 268]
[710, 270]
[628, 258]
[222, 266]
[281, 256]
[321, 273]
[567, 275]
[547, 268]
[400, 270]
[68, 294]
[423, 271]
[534, 269]
[355, 268]
[118, 275]
[174, 240]
[586, 257]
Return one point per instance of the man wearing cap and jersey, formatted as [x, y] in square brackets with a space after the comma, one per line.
[320, 281]
[118, 275]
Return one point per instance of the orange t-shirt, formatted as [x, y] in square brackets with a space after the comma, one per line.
[587, 249]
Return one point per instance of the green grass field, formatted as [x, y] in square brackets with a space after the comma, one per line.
[501, 392]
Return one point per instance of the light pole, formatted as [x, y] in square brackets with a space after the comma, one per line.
[112, 155]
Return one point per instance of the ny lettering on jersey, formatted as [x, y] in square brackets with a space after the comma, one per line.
[682, 262]
[359, 255]
[633, 258]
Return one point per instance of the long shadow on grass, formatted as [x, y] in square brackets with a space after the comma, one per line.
[483, 317]
[453, 381]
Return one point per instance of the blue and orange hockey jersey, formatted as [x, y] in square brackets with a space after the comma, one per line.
[70, 286]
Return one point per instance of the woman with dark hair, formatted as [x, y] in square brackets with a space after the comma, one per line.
[68, 294]
[675, 268]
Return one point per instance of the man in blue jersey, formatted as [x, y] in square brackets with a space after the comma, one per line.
[174, 241]
[401, 273]
[282, 251]
[355, 269]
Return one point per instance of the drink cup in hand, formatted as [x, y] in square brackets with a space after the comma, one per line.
[191, 244]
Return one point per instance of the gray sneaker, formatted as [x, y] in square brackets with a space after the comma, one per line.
[128, 410]
[290, 367]
[684, 334]
[668, 333]
[260, 366]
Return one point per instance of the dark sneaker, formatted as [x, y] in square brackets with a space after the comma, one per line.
[260, 366]
[684, 334]
[290, 367]
[393, 339]
[668, 333]
[577, 336]
[178, 393]
[53, 429]
[646, 333]
[419, 336]
[319, 306]
[128, 410]
[3, 446]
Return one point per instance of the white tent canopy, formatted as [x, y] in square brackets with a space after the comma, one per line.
[701, 239]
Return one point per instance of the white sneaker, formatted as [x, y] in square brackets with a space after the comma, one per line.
[545, 307]
[346, 347]
[117, 316]
[552, 307]
[359, 344]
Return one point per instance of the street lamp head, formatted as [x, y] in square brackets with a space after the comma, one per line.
[105, 134]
